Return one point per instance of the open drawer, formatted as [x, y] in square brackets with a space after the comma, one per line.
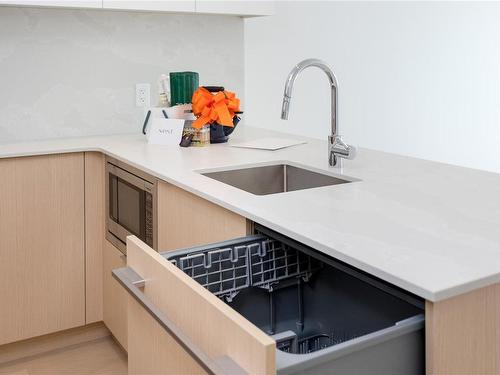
[265, 304]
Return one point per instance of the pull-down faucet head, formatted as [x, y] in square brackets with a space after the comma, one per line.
[285, 107]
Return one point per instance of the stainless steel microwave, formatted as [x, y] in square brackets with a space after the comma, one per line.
[130, 204]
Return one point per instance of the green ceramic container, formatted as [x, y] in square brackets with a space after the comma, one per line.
[182, 86]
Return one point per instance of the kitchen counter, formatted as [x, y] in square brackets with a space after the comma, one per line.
[430, 228]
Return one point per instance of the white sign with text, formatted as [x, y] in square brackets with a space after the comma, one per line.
[165, 131]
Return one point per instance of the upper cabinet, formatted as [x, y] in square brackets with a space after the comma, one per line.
[236, 7]
[52, 3]
[152, 6]
[241, 8]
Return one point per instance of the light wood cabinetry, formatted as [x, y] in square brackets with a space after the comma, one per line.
[185, 219]
[55, 274]
[114, 297]
[214, 328]
[178, 212]
[94, 234]
[42, 275]
[463, 334]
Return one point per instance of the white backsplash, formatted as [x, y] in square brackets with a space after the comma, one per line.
[73, 72]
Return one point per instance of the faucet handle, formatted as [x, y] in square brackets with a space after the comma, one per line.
[353, 151]
[338, 148]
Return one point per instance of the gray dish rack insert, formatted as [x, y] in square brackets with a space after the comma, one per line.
[257, 261]
[306, 301]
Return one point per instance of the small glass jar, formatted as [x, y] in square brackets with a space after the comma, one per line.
[201, 136]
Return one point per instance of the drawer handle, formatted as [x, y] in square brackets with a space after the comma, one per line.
[132, 283]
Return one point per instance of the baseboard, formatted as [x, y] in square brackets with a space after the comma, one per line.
[54, 341]
[119, 344]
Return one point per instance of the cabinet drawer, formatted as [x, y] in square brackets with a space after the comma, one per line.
[175, 326]
[317, 315]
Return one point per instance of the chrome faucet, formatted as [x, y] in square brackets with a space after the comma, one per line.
[336, 146]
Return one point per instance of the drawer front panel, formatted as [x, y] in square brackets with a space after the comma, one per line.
[152, 350]
[210, 331]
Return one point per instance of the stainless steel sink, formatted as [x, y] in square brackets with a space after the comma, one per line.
[273, 179]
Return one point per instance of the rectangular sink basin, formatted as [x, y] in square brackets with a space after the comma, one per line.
[273, 179]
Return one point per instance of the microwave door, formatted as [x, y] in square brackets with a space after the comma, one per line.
[130, 202]
[115, 227]
[130, 206]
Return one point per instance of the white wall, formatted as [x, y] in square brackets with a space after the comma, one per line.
[73, 72]
[416, 78]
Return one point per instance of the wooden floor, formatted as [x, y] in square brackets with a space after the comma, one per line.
[99, 357]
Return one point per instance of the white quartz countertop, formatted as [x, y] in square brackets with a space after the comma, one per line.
[429, 228]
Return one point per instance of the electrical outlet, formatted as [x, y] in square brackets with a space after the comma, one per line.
[142, 95]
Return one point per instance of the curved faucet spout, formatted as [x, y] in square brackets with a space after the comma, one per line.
[297, 69]
[336, 147]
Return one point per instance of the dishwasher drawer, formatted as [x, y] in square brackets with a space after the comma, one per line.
[321, 316]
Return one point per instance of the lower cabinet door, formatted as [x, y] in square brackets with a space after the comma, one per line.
[175, 326]
[42, 254]
[114, 297]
